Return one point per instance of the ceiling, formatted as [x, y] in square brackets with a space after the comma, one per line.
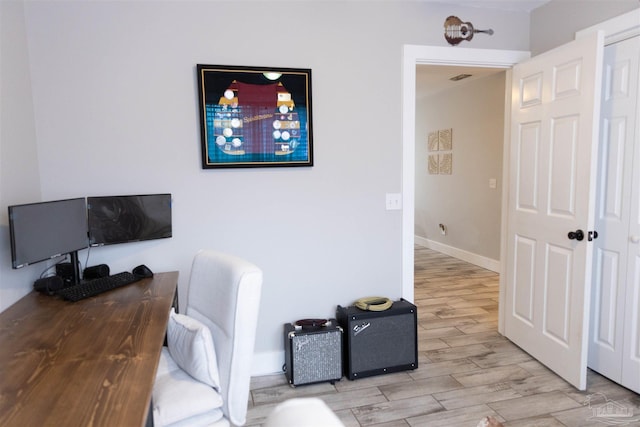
[431, 79]
[512, 5]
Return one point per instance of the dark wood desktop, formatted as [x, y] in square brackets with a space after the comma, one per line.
[85, 363]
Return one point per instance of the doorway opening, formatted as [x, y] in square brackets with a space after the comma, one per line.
[458, 161]
[432, 55]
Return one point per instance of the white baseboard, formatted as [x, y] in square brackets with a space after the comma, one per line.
[475, 259]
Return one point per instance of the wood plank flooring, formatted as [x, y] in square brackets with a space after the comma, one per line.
[467, 370]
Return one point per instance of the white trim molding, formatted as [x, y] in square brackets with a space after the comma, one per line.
[470, 257]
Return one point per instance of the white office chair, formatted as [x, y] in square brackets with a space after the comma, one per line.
[302, 412]
[222, 306]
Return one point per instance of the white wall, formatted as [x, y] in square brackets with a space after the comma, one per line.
[555, 23]
[19, 174]
[463, 201]
[115, 107]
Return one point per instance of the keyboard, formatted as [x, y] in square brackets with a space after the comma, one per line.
[98, 286]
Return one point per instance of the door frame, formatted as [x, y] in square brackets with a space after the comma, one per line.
[615, 29]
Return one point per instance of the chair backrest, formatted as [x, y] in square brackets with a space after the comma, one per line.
[224, 294]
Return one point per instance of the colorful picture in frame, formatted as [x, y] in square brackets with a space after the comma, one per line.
[255, 116]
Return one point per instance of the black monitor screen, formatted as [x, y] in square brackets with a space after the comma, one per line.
[40, 231]
[122, 219]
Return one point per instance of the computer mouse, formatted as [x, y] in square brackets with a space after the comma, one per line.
[142, 271]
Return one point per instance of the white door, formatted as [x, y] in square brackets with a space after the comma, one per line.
[552, 170]
[614, 350]
[631, 351]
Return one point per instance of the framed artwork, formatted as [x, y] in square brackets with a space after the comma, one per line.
[433, 141]
[440, 146]
[255, 116]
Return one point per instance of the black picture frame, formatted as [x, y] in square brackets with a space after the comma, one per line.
[255, 116]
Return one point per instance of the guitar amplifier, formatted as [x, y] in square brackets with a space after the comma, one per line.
[379, 342]
[313, 354]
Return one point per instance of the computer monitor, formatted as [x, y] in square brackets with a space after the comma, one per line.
[46, 230]
[123, 219]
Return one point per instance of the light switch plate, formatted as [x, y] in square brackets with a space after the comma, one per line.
[394, 201]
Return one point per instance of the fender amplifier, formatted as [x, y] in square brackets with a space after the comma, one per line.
[379, 342]
[313, 354]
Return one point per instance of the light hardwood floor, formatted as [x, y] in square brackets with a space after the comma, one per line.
[467, 370]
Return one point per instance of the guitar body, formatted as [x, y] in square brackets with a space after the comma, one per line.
[455, 30]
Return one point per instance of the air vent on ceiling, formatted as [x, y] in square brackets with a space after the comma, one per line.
[459, 77]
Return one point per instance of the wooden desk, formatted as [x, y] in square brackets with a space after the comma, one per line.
[86, 363]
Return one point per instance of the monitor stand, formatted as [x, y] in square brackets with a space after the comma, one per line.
[75, 267]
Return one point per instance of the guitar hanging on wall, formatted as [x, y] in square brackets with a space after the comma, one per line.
[455, 30]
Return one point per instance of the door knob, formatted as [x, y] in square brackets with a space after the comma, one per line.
[634, 239]
[577, 235]
[592, 235]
